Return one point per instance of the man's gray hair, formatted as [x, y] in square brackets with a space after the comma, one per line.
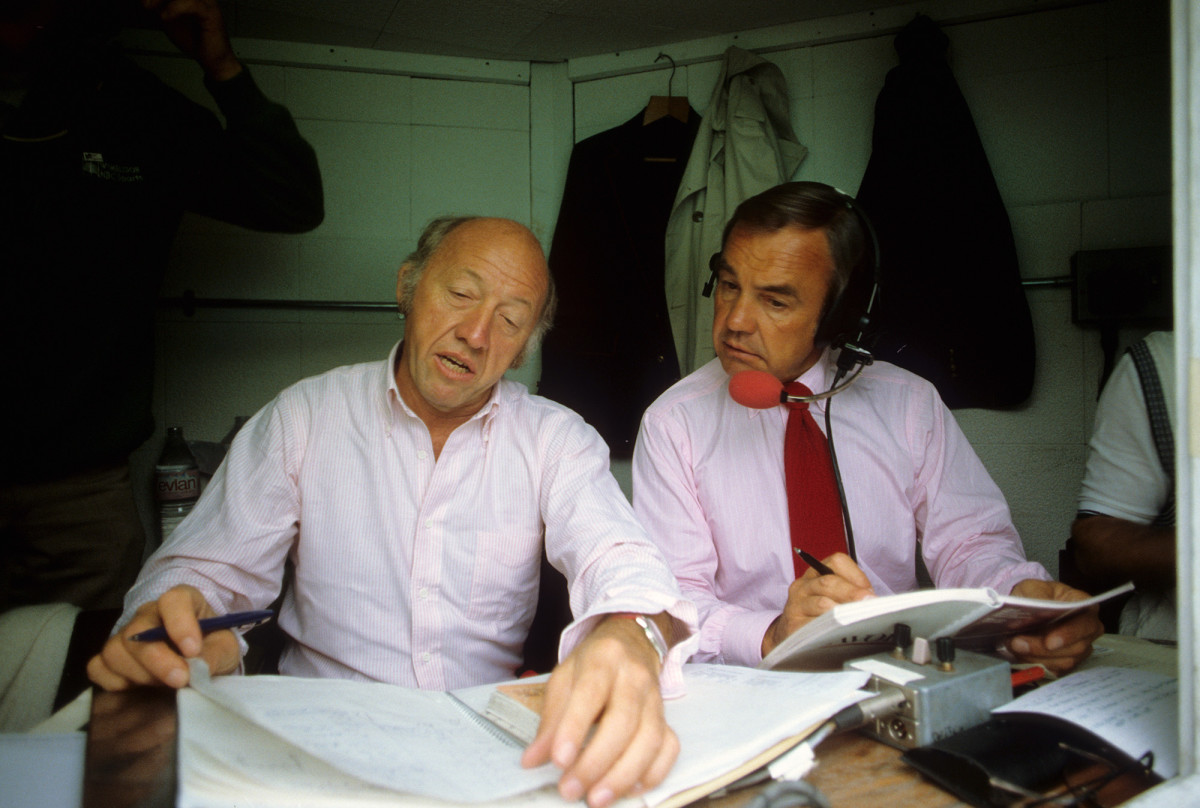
[431, 239]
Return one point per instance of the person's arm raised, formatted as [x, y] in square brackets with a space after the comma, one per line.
[198, 30]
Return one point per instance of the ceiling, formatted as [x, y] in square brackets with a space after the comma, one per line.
[525, 30]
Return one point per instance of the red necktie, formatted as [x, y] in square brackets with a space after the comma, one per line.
[814, 508]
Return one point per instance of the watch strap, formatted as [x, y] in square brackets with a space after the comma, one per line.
[652, 632]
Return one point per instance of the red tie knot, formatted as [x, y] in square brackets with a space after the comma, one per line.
[797, 389]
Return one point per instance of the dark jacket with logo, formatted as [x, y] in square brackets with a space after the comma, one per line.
[97, 167]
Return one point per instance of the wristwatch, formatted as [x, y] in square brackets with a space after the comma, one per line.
[652, 632]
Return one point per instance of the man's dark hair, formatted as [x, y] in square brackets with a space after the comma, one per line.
[812, 206]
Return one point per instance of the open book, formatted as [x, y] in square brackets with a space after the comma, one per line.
[977, 618]
[260, 741]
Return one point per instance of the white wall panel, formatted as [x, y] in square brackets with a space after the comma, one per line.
[335, 95]
[213, 371]
[1044, 131]
[1029, 42]
[361, 269]
[324, 346]
[234, 263]
[470, 105]
[1139, 113]
[366, 171]
[469, 171]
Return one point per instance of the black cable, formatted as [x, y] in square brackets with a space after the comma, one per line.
[837, 473]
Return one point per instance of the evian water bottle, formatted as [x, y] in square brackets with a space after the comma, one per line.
[176, 481]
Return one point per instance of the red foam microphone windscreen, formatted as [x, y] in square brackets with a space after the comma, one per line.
[756, 389]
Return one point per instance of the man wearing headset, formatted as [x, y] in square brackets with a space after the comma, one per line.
[708, 481]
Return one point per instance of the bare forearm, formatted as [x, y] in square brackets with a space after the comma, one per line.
[1109, 551]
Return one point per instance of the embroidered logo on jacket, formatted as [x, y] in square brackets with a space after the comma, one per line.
[94, 164]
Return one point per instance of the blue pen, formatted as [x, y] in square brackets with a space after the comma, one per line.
[210, 624]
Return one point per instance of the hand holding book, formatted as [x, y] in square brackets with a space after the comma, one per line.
[976, 618]
[1062, 644]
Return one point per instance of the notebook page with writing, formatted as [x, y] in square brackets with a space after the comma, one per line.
[259, 742]
[746, 712]
[412, 741]
[732, 720]
[1134, 710]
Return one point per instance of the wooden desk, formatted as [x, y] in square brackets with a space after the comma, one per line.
[131, 758]
[853, 770]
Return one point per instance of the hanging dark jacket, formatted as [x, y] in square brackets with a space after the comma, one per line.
[952, 308]
[610, 352]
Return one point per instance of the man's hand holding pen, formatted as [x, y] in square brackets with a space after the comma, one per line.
[816, 592]
[125, 662]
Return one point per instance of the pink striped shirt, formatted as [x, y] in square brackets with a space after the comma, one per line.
[409, 571]
[708, 485]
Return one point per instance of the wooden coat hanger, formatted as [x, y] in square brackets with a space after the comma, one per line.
[661, 106]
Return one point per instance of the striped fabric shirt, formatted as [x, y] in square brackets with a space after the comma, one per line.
[708, 483]
[407, 570]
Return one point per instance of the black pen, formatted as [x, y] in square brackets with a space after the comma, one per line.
[814, 563]
[210, 624]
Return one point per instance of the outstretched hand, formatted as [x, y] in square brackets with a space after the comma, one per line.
[124, 662]
[610, 680]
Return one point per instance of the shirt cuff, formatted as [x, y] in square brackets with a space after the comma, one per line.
[1021, 572]
[684, 635]
[741, 640]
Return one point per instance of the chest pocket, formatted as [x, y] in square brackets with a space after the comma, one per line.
[504, 583]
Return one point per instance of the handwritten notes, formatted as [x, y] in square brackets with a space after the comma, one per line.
[414, 741]
[259, 741]
[1134, 710]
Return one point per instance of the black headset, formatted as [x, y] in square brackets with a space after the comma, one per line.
[846, 323]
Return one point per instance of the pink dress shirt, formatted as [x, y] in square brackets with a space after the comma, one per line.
[708, 485]
[409, 571]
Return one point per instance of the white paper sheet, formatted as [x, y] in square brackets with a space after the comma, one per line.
[357, 744]
[1134, 710]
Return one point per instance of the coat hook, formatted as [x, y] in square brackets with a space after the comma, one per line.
[671, 80]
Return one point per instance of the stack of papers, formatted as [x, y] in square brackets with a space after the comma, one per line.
[265, 741]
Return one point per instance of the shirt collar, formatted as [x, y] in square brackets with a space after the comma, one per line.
[817, 379]
[394, 405]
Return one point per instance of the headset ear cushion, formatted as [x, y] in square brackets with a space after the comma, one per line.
[850, 315]
[714, 265]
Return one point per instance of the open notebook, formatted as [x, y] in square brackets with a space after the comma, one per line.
[976, 618]
[265, 741]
